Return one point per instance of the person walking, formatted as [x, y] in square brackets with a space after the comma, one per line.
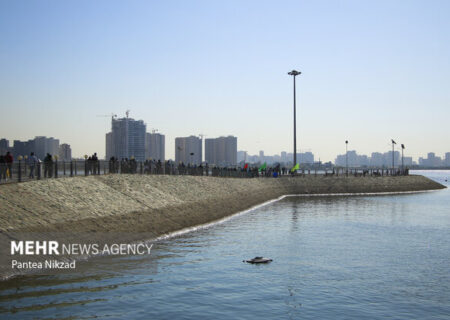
[32, 163]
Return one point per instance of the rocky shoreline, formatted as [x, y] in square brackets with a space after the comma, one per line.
[139, 207]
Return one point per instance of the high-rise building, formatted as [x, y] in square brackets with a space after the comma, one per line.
[305, 157]
[242, 156]
[4, 146]
[221, 151]
[126, 139]
[65, 152]
[22, 148]
[447, 159]
[188, 150]
[407, 161]
[376, 159]
[44, 145]
[387, 159]
[155, 146]
[110, 152]
[431, 160]
[261, 156]
[39, 145]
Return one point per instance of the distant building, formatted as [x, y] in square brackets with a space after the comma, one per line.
[352, 159]
[110, 152]
[221, 151]
[284, 157]
[39, 145]
[447, 159]
[155, 146]
[387, 156]
[407, 161]
[126, 139]
[4, 146]
[305, 158]
[376, 159]
[22, 148]
[261, 156]
[188, 150]
[242, 156]
[65, 152]
[431, 160]
[252, 158]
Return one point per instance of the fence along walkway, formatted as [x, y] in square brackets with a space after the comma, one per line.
[19, 171]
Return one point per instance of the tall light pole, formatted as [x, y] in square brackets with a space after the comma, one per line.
[403, 147]
[393, 143]
[201, 135]
[295, 73]
[346, 157]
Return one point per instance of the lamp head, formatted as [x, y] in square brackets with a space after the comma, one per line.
[294, 73]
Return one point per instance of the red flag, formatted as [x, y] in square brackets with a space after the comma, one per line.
[246, 166]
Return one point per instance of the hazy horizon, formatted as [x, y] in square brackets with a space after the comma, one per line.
[371, 72]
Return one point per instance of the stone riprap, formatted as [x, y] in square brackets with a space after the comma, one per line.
[141, 207]
[42, 204]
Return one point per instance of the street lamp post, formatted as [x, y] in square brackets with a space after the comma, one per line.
[393, 164]
[295, 73]
[20, 169]
[85, 164]
[346, 157]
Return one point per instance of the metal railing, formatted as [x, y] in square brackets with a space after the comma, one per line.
[20, 171]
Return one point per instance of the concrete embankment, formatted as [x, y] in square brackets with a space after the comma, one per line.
[137, 207]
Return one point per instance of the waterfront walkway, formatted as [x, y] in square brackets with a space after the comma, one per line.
[21, 172]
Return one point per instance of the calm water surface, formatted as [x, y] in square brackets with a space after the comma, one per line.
[354, 257]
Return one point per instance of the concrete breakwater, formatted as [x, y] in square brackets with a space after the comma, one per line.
[141, 207]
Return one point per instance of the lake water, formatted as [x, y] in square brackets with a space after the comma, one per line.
[352, 257]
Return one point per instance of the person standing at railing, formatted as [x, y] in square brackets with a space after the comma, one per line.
[94, 163]
[159, 167]
[111, 168]
[48, 165]
[2, 167]
[32, 163]
[9, 163]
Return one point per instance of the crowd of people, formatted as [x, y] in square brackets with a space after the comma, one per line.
[31, 168]
[32, 163]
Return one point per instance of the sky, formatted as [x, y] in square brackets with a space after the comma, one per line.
[372, 71]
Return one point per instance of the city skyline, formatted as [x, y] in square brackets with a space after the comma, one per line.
[155, 149]
[220, 69]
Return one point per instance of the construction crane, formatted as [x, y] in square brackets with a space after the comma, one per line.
[112, 115]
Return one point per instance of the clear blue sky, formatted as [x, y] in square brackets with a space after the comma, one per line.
[371, 71]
